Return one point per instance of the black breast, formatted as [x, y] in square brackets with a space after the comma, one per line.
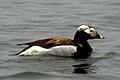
[85, 50]
[82, 51]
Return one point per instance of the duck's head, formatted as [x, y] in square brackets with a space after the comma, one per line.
[85, 32]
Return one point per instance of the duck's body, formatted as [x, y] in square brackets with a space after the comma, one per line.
[77, 47]
[64, 50]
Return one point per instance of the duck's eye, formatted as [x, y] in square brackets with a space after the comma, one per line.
[91, 30]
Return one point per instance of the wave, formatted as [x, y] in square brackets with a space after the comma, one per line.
[110, 54]
[35, 76]
[26, 75]
[56, 76]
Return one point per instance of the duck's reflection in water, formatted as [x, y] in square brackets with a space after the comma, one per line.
[84, 68]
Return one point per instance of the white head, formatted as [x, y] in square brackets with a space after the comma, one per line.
[89, 30]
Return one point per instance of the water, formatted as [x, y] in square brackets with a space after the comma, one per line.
[28, 20]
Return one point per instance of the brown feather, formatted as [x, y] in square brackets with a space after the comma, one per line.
[48, 43]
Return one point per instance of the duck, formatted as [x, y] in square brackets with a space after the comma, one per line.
[78, 47]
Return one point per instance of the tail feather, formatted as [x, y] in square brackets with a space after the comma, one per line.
[23, 44]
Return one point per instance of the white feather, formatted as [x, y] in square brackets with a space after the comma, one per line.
[82, 27]
[34, 50]
[64, 50]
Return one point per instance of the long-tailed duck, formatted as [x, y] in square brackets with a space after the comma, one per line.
[57, 46]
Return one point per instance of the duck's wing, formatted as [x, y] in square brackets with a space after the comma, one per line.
[37, 43]
[57, 41]
[50, 42]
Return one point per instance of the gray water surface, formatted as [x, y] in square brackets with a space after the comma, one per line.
[29, 20]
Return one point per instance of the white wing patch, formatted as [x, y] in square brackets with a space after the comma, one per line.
[57, 51]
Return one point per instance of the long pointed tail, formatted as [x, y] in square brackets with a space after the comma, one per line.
[23, 50]
[23, 44]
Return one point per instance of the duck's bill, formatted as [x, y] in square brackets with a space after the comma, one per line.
[99, 36]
